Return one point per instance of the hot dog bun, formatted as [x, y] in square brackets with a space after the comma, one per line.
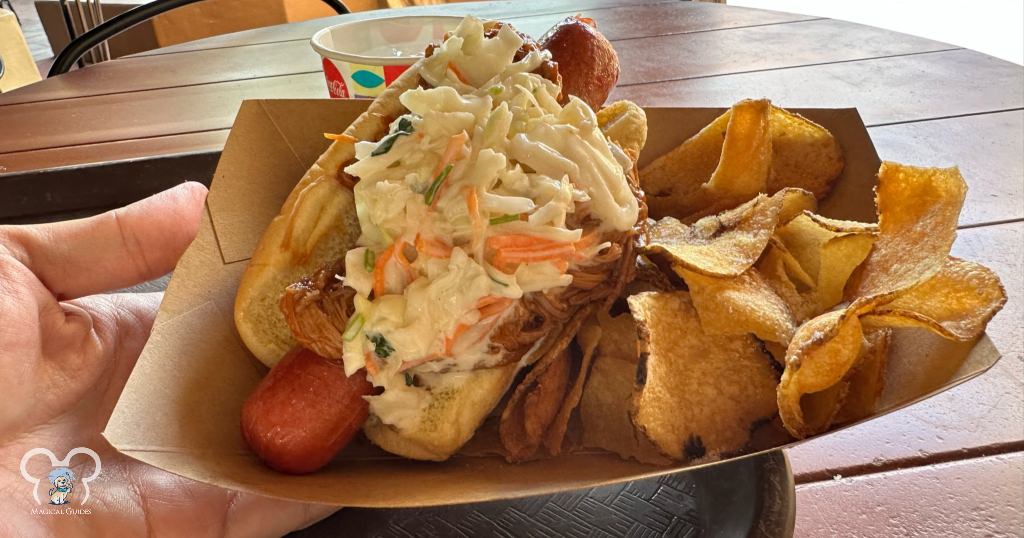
[457, 410]
[317, 224]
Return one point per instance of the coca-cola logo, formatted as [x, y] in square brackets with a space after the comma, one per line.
[335, 85]
[337, 88]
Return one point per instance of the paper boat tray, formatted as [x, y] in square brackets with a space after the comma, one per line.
[180, 408]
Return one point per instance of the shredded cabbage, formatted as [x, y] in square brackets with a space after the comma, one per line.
[450, 259]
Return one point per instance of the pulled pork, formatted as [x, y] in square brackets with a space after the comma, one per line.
[317, 309]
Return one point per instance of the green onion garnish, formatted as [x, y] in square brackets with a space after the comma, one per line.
[495, 90]
[408, 379]
[381, 347]
[428, 197]
[369, 260]
[404, 128]
[355, 324]
[504, 218]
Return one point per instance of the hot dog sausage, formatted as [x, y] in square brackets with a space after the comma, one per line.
[304, 412]
[586, 60]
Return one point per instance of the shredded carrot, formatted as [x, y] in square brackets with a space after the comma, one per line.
[508, 258]
[503, 241]
[433, 247]
[416, 362]
[472, 203]
[473, 206]
[493, 306]
[410, 272]
[503, 265]
[554, 252]
[455, 144]
[372, 367]
[341, 137]
[449, 341]
[458, 73]
[589, 239]
[378, 270]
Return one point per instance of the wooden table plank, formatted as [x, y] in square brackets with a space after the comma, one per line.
[636, 22]
[211, 106]
[128, 75]
[759, 48]
[972, 418]
[987, 148]
[976, 497]
[885, 90]
[152, 113]
[121, 150]
[208, 65]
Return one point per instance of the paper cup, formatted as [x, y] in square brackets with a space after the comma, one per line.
[362, 58]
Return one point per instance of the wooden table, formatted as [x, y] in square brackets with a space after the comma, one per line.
[953, 465]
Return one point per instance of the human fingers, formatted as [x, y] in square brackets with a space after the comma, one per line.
[120, 327]
[113, 250]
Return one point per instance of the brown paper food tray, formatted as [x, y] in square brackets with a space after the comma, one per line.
[180, 409]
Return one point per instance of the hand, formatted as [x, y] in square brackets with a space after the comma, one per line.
[66, 350]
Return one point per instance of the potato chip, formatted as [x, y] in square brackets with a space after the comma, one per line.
[535, 402]
[918, 210]
[804, 154]
[745, 162]
[649, 277]
[777, 251]
[625, 124]
[587, 339]
[754, 147]
[607, 398]
[671, 180]
[819, 357]
[907, 280]
[866, 379]
[698, 395]
[715, 169]
[726, 244]
[787, 279]
[956, 303]
[739, 305]
[795, 202]
[618, 336]
[828, 257]
[843, 226]
[605, 412]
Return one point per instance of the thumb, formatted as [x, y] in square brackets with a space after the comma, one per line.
[113, 250]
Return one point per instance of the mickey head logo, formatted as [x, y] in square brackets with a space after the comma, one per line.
[66, 462]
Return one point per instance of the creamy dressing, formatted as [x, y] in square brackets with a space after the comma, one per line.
[463, 209]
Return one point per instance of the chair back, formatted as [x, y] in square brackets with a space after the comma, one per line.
[17, 68]
[99, 34]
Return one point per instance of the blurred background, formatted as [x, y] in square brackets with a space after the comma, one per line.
[994, 27]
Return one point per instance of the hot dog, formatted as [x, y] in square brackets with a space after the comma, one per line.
[304, 411]
[436, 295]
